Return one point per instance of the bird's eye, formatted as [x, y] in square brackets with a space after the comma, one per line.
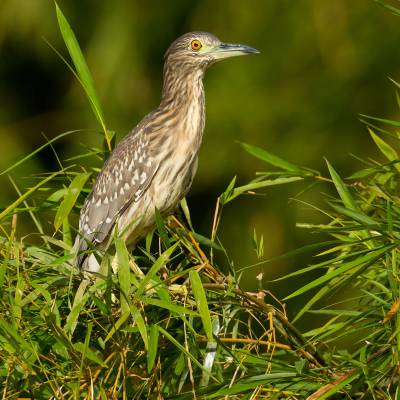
[196, 45]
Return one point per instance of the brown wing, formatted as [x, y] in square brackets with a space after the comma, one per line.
[123, 180]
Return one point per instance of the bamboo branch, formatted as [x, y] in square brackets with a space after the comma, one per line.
[295, 337]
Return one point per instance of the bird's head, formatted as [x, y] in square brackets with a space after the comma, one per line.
[199, 50]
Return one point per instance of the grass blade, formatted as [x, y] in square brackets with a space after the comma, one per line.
[338, 271]
[123, 273]
[82, 69]
[201, 301]
[70, 198]
[341, 188]
[388, 151]
[154, 269]
[17, 202]
[271, 158]
[153, 346]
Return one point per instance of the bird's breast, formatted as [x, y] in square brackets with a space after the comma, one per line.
[178, 165]
[174, 149]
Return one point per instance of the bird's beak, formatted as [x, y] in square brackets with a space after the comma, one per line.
[226, 50]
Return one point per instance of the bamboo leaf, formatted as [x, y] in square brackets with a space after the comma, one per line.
[82, 69]
[201, 301]
[141, 324]
[261, 184]
[89, 354]
[69, 199]
[154, 269]
[81, 297]
[161, 229]
[153, 346]
[180, 310]
[123, 273]
[117, 325]
[345, 267]
[30, 155]
[341, 188]
[357, 216]
[183, 350]
[17, 202]
[271, 158]
[388, 151]
[383, 120]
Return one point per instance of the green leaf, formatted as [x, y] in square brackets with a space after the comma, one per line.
[123, 273]
[345, 267]
[154, 269]
[341, 188]
[392, 9]
[70, 198]
[141, 324]
[261, 184]
[183, 350]
[357, 216]
[89, 354]
[180, 310]
[186, 212]
[388, 151]
[82, 69]
[117, 325]
[271, 158]
[17, 202]
[224, 197]
[206, 241]
[252, 383]
[161, 229]
[81, 297]
[153, 347]
[383, 120]
[30, 155]
[19, 342]
[339, 385]
[201, 301]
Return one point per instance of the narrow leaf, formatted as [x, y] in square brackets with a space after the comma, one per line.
[345, 267]
[123, 273]
[81, 68]
[161, 229]
[261, 184]
[70, 198]
[341, 188]
[17, 202]
[154, 269]
[271, 158]
[153, 346]
[202, 305]
[388, 151]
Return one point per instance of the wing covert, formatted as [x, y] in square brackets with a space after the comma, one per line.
[123, 179]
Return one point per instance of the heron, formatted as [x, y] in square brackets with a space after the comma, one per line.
[152, 167]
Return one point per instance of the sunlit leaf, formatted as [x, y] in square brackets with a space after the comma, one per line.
[70, 198]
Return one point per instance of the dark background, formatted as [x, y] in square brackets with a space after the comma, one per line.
[322, 63]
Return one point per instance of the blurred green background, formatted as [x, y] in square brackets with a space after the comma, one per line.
[321, 64]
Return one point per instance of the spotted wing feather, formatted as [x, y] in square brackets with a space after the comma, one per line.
[123, 180]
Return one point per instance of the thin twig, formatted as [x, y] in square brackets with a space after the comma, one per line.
[308, 350]
[324, 389]
[250, 341]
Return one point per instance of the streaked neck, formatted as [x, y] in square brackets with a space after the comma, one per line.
[182, 85]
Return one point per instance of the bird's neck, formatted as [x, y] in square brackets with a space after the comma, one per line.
[183, 102]
[182, 87]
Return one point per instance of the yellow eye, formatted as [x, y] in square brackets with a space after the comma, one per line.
[196, 45]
